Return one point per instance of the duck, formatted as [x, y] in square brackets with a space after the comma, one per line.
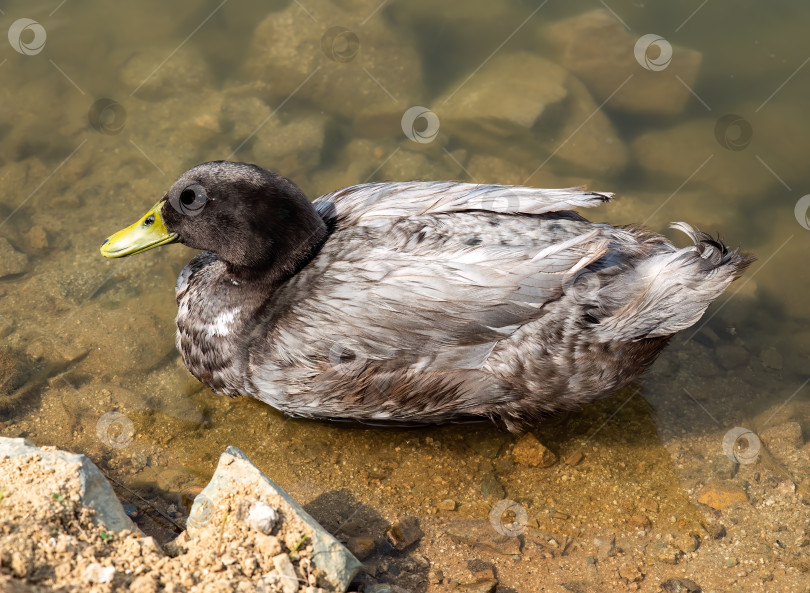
[420, 302]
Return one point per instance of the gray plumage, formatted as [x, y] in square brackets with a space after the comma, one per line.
[429, 301]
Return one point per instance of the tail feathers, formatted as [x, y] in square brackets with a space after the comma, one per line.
[670, 289]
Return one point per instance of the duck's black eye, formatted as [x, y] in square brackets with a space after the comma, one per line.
[190, 201]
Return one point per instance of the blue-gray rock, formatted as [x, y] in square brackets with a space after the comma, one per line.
[236, 472]
[95, 492]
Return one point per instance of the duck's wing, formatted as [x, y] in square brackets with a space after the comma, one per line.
[431, 276]
[372, 203]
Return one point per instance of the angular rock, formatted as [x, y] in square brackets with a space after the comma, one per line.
[11, 261]
[588, 141]
[447, 504]
[479, 586]
[404, 532]
[690, 151]
[502, 101]
[285, 569]
[235, 471]
[406, 165]
[529, 451]
[731, 356]
[157, 78]
[599, 50]
[771, 359]
[292, 147]
[360, 546]
[533, 84]
[95, 491]
[722, 494]
[680, 585]
[359, 71]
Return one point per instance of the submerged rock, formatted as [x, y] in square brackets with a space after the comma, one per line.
[502, 100]
[321, 54]
[588, 141]
[404, 532]
[95, 491]
[529, 451]
[11, 261]
[722, 494]
[690, 151]
[153, 77]
[598, 49]
[293, 147]
[236, 473]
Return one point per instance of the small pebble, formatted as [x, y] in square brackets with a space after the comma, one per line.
[404, 532]
[574, 459]
[262, 517]
[95, 573]
[447, 504]
[529, 451]
[285, 569]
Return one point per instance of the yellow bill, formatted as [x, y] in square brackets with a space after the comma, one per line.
[150, 231]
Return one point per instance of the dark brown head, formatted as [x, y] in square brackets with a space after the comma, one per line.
[258, 222]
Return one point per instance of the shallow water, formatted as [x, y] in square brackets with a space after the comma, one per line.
[103, 106]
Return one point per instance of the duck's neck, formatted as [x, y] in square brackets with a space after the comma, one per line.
[284, 257]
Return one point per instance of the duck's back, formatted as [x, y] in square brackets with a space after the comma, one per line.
[433, 300]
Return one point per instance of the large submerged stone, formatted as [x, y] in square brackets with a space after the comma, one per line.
[95, 491]
[235, 472]
[690, 151]
[502, 101]
[588, 141]
[11, 261]
[349, 65]
[599, 50]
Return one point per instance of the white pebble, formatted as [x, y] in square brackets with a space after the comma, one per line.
[262, 517]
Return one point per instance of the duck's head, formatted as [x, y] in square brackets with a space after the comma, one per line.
[251, 218]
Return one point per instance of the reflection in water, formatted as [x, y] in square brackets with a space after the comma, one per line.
[101, 118]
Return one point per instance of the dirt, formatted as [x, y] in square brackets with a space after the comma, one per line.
[50, 542]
